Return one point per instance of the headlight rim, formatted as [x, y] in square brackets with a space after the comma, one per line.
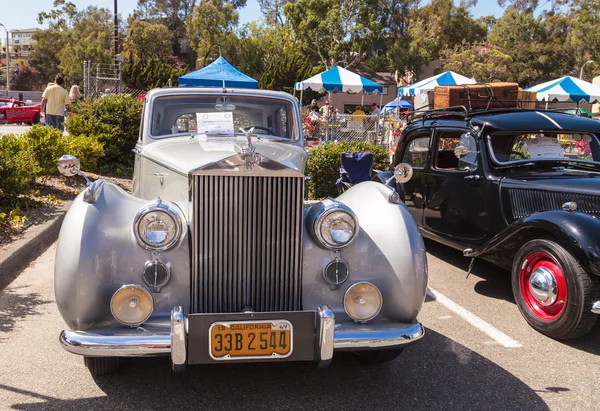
[160, 206]
[335, 206]
[143, 289]
[380, 301]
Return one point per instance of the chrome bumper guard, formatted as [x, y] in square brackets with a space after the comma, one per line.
[146, 342]
[596, 307]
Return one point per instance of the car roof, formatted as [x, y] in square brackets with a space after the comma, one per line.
[537, 120]
[508, 120]
[216, 90]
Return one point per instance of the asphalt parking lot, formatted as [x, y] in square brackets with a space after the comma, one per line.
[478, 354]
[13, 128]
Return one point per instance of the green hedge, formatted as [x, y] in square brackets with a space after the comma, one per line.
[18, 169]
[323, 165]
[35, 153]
[115, 122]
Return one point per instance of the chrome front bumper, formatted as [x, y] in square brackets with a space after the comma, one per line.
[596, 307]
[159, 341]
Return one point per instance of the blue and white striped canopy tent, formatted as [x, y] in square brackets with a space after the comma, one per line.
[340, 80]
[567, 89]
[447, 78]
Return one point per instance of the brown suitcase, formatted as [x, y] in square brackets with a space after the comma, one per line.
[527, 99]
[477, 96]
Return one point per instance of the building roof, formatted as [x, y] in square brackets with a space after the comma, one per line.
[380, 77]
[24, 30]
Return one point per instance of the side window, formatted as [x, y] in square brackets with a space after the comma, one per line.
[416, 152]
[445, 159]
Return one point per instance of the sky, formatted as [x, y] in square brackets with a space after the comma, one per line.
[14, 15]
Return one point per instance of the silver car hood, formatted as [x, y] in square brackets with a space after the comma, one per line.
[184, 154]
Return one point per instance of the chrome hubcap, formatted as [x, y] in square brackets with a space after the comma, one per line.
[542, 286]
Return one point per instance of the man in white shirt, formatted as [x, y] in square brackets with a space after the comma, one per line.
[54, 101]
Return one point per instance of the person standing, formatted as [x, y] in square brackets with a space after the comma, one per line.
[54, 101]
[313, 106]
[75, 94]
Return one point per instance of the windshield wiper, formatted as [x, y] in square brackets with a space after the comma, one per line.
[531, 163]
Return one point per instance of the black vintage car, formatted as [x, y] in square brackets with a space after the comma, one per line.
[519, 188]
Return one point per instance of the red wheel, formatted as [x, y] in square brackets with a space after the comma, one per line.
[543, 285]
[554, 293]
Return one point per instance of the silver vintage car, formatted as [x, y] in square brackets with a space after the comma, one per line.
[216, 257]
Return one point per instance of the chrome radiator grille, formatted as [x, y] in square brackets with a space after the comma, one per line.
[247, 243]
[526, 202]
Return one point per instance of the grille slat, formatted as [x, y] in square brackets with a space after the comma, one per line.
[526, 202]
[247, 243]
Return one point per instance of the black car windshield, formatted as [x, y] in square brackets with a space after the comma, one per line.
[514, 148]
[204, 114]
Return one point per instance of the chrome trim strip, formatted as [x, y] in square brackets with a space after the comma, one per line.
[352, 336]
[144, 344]
[549, 119]
[178, 336]
[326, 333]
[596, 307]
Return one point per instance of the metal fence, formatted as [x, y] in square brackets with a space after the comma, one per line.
[101, 79]
[382, 130]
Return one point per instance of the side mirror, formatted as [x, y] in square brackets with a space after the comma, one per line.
[68, 165]
[461, 151]
[403, 172]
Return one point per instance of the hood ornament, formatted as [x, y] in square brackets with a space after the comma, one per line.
[249, 154]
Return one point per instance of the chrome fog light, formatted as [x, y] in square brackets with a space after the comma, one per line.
[362, 301]
[131, 305]
[157, 226]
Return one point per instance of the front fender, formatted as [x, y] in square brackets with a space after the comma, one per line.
[385, 178]
[97, 253]
[577, 232]
[388, 252]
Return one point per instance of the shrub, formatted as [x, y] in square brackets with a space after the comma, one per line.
[18, 169]
[323, 166]
[115, 121]
[47, 145]
[88, 150]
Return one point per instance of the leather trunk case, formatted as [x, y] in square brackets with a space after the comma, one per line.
[477, 96]
[527, 99]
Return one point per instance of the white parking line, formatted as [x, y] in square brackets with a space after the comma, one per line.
[475, 321]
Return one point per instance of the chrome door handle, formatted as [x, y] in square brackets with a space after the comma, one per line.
[473, 177]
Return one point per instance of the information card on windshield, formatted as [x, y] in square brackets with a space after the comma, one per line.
[545, 147]
[215, 123]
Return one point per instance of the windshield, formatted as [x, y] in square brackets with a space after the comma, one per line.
[181, 114]
[545, 146]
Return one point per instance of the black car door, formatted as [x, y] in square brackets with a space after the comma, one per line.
[455, 196]
[416, 148]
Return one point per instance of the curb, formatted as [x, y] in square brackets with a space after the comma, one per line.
[18, 254]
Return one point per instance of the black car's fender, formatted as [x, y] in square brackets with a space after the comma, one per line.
[579, 233]
[386, 178]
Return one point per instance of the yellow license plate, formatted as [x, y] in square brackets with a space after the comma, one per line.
[235, 340]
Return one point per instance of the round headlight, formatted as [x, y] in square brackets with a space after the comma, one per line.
[131, 305]
[157, 226]
[362, 301]
[336, 227]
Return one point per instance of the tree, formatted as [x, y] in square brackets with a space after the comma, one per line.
[483, 64]
[583, 36]
[273, 10]
[438, 26]
[149, 60]
[537, 45]
[147, 41]
[211, 26]
[71, 38]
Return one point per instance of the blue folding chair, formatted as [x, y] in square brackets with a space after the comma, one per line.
[356, 168]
